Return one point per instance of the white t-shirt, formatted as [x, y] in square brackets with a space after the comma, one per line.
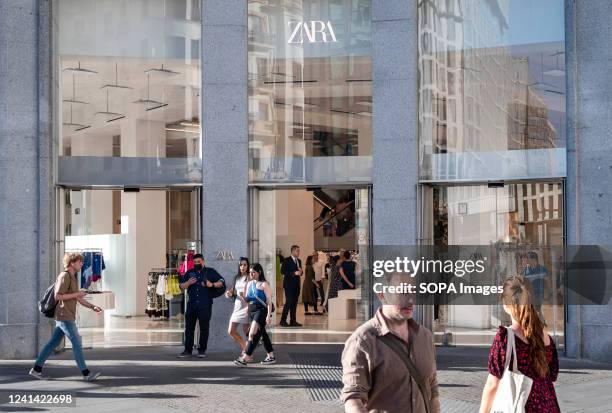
[319, 268]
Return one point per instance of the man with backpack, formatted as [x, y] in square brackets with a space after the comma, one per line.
[202, 285]
[62, 305]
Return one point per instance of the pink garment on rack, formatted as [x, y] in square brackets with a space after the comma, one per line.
[187, 264]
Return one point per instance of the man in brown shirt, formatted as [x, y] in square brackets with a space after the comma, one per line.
[375, 379]
[67, 295]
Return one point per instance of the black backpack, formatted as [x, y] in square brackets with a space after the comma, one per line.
[218, 292]
[47, 304]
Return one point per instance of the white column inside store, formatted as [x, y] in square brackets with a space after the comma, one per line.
[143, 214]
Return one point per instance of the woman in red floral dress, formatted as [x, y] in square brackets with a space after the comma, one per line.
[536, 352]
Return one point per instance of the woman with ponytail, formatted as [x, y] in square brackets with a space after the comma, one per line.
[536, 352]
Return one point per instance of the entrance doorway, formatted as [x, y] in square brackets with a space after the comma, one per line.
[332, 228]
[135, 244]
[522, 223]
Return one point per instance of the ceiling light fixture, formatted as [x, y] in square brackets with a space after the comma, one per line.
[162, 71]
[80, 69]
[74, 100]
[113, 115]
[77, 126]
[148, 101]
[116, 85]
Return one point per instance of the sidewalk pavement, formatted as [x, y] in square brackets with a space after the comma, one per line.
[305, 379]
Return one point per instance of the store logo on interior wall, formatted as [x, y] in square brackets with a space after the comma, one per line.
[317, 31]
[225, 255]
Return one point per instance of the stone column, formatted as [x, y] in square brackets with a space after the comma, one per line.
[27, 213]
[589, 160]
[395, 134]
[224, 146]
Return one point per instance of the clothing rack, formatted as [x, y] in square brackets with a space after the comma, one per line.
[158, 307]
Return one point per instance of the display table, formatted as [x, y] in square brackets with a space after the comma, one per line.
[88, 318]
[344, 307]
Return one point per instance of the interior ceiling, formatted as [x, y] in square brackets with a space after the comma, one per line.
[331, 85]
[178, 90]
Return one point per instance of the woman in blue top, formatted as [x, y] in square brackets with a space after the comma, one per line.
[258, 295]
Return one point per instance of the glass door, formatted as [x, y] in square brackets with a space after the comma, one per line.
[262, 240]
[363, 225]
[522, 223]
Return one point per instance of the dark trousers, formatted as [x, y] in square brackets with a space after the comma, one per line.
[321, 292]
[292, 295]
[263, 335]
[315, 297]
[202, 316]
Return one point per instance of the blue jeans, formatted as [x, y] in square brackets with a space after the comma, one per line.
[68, 329]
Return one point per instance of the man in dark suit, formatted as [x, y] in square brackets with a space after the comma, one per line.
[292, 271]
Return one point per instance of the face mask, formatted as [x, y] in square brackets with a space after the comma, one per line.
[198, 267]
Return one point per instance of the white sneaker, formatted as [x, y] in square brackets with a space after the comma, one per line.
[91, 376]
[37, 374]
[269, 360]
[240, 362]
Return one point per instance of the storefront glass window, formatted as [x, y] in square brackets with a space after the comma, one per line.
[129, 85]
[522, 224]
[310, 90]
[491, 89]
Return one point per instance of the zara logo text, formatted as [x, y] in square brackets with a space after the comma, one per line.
[316, 31]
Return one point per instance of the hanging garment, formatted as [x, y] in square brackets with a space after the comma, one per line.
[161, 285]
[97, 266]
[157, 306]
[188, 263]
[176, 289]
[169, 293]
[86, 269]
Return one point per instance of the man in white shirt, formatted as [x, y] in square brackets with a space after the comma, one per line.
[318, 265]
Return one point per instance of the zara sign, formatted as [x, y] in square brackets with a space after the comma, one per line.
[316, 31]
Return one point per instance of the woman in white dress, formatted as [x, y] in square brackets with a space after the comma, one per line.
[240, 315]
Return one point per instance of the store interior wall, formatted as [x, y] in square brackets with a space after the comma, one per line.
[294, 216]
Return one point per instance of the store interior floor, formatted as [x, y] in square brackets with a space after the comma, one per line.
[316, 329]
[145, 331]
[134, 331]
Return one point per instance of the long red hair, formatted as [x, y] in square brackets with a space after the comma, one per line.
[518, 296]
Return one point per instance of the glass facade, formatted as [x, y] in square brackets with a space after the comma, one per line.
[310, 91]
[129, 86]
[491, 90]
[492, 108]
[523, 226]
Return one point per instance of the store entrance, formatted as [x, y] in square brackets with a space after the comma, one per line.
[135, 244]
[332, 228]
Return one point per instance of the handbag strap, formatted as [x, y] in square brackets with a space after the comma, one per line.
[254, 285]
[511, 351]
[397, 346]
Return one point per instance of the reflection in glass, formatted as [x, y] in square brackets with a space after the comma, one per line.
[491, 89]
[129, 78]
[310, 95]
[523, 224]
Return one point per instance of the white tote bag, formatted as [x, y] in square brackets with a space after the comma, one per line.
[514, 387]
